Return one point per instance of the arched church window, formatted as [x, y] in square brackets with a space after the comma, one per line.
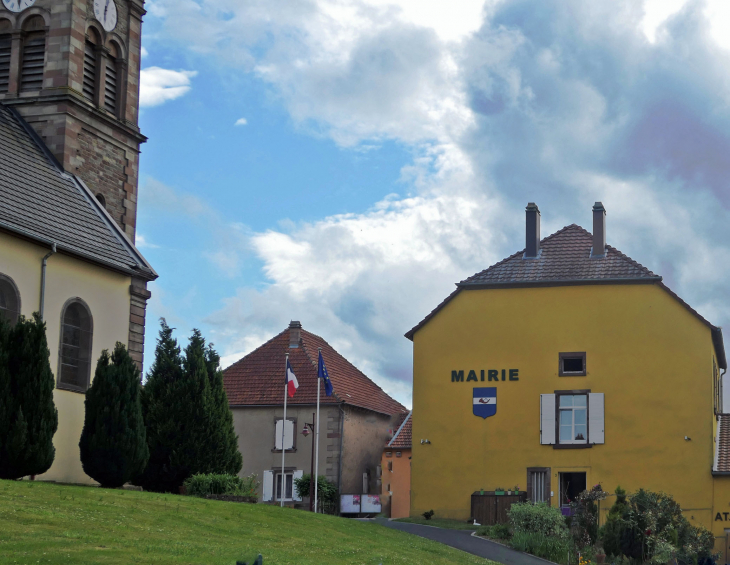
[91, 66]
[9, 299]
[75, 350]
[110, 84]
[5, 47]
[101, 199]
[34, 54]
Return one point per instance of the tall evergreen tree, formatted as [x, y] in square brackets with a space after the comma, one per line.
[226, 457]
[160, 409]
[28, 416]
[113, 442]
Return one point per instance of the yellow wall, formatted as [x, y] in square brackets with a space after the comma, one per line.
[647, 353]
[107, 295]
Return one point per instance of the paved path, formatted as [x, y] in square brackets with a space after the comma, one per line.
[463, 540]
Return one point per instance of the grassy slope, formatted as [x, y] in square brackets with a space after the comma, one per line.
[46, 523]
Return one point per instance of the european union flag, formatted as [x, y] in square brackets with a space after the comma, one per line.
[322, 374]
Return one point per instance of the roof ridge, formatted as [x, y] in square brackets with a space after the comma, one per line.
[255, 350]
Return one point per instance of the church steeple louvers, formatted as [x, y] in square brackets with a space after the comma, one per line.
[71, 68]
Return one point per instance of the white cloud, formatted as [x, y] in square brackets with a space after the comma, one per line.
[144, 52]
[241, 122]
[158, 86]
[142, 243]
[562, 102]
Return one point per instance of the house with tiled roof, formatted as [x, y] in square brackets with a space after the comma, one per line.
[396, 466]
[354, 421]
[565, 365]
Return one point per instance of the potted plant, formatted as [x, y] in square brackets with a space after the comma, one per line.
[499, 491]
[516, 490]
[600, 555]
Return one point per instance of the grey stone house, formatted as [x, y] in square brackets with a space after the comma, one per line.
[356, 421]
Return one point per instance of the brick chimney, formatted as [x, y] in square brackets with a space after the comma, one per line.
[532, 231]
[599, 230]
[295, 334]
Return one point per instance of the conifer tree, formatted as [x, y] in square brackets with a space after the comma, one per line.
[227, 458]
[159, 409]
[28, 416]
[113, 442]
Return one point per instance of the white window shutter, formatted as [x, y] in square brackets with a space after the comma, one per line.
[268, 486]
[296, 475]
[595, 418]
[288, 434]
[547, 419]
[277, 434]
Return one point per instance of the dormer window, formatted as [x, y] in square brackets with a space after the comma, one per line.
[572, 364]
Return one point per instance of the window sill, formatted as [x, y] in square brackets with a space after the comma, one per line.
[572, 375]
[294, 450]
[573, 445]
[69, 388]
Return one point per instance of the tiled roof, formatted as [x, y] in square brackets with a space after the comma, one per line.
[722, 454]
[564, 259]
[564, 256]
[258, 378]
[41, 202]
[403, 434]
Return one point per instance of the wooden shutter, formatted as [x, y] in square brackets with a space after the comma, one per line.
[295, 495]
[110, 86]
[34, 53]
[547, 419]
[89, 87]
[268, 486]
[595, 418]
[288, 435]
[5, 44]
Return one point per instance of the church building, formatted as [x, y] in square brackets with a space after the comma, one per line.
[69, 163]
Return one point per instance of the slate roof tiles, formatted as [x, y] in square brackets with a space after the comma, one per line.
[40, 201]
[258, 378]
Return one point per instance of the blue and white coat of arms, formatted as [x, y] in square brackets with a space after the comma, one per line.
[485, 401]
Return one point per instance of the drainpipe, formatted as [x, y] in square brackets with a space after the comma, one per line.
[43, 277]
[342, 443]
[722, 382]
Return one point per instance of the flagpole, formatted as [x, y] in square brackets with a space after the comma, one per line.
[316, 435]
[283, 433]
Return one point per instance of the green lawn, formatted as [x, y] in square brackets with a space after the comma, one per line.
[440, 523]
[44, 523]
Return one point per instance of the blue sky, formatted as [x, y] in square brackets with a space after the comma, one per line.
[386, 150]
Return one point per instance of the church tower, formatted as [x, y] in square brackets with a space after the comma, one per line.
[71, 68]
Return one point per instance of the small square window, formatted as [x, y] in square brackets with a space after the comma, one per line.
[572, 364]
[398, 454]
[389, 454]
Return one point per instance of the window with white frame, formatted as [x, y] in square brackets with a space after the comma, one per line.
[272, 485]
[573, 418]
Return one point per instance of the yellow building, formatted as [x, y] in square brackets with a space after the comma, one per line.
[566, 365]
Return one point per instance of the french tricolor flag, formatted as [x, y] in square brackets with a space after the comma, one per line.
[292, 384]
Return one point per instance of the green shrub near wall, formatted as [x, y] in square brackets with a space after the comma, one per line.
[209, 483]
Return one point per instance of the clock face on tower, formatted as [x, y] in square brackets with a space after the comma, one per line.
[18, 5]
[106, 12]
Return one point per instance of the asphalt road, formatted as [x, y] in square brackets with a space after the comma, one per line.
[463, 540]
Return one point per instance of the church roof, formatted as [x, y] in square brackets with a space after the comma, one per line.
[565, 259]
[258, 378]
[41, 202]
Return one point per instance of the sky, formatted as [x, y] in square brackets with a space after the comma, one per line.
[345, 162]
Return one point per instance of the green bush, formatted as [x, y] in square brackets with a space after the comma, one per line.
[556, 549]
[498, 531]
[205, 484]
[326, 490]
[528, 518]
